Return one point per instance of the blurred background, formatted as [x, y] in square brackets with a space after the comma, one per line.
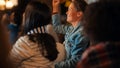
[11, 12]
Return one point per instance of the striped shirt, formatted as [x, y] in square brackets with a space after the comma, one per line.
[26, 54]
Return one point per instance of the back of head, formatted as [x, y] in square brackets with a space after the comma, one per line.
[80, 5]
[37, 14]
[102, 21]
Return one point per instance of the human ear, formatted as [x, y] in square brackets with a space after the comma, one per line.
[79, 14]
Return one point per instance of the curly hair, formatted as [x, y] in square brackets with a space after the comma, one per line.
[102, 21]
[48, 44]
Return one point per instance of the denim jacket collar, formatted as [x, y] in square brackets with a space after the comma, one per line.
[79, 26]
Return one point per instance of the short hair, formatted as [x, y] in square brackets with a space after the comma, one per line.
[37, 14]
[102, 21]
[80, 5]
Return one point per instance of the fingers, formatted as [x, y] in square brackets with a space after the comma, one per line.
[57, 2]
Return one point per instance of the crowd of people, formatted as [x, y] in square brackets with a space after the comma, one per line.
[91, 36]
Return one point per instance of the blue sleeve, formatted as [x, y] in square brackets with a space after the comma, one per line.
[79, 44]
[58, 27]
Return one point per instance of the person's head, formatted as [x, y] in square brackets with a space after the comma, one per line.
[36, 14]
[76, 10]
[102, 21]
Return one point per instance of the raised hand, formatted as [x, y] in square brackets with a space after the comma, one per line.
[55, 4]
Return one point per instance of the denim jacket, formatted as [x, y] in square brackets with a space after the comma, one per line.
[75, 43]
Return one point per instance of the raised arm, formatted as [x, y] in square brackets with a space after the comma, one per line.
[56, 21]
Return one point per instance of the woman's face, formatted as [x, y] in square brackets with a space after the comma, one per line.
[72, 13]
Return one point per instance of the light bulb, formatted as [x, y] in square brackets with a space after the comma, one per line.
[9, 4]
[2, 5]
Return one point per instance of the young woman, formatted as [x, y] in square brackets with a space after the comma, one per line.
[36, 48]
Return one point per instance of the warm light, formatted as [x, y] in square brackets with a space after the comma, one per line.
[15, 2]
[2, 2]
[2, 5]
[9, 4]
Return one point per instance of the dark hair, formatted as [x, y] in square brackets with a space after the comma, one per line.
[80, 5]
[37, 14]
[102, 21]
[17, 15]
[48, 44]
